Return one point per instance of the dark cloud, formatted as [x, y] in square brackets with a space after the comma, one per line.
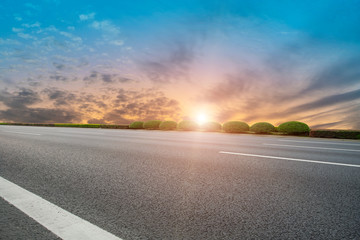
[105, 78]
[114, 107]
[325, 102]
[327, 125]
[172, 67]
[124, 79]
[352, 117]
[96, 121]
[35, 83]
[143, 105]
[20, 99]
[39, 115]
[59, 66]
[233, 86]
[91, 78]
[59, 78]
[20, 110]
[93, 100]
[285, 59]
[342, 73]
[60, 97]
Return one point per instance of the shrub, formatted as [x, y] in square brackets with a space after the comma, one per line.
[211, 127]
[114, 126]
[328, 133]
[152, 124]
[168, 125]
[235, 127]
[136, 125]
[262, 127]
[293, 127]
[187, 125]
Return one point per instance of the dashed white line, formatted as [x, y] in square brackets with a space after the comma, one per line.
[323, 148]
[37, 134]
[291, 159]
[62, 223]
[335, 143]
[91, 133]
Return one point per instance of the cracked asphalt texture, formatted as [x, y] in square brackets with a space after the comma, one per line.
[175, 185]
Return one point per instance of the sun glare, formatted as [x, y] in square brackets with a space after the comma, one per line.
[201, 118]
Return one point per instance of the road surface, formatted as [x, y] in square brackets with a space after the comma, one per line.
[138, 184]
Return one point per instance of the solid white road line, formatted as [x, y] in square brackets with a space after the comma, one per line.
[324, 148]
[37, 134]
[340, 143]
[62, 223]
[291, 159]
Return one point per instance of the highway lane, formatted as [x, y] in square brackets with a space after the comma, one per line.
[176, 185]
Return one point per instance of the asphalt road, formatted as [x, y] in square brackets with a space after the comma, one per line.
[184, 185]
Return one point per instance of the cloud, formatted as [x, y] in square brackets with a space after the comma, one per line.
[142, 105]
[60, 97]
[9, 42]
[39, 115]
[16, 30]
[59, 66]
[26, 36]
[58, 77]
[105, 78]
[60, 105]
[106, 26]
[173, 67]
[19, 107]
[352, 118]
[117, 42]
[344, 72]
[85, 17]
[325, 102]
[20, 99]
[33, 6]
[233, 86]
[18, 18]
[327, 125]
[71, 36]
[102, 121]
[33, 25]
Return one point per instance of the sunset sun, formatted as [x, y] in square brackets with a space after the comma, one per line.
[201, 118]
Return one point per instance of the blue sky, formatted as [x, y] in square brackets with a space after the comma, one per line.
[120, 61]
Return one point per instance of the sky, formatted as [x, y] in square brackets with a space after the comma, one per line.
[115, 62]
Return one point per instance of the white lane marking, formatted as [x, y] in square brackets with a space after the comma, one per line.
[324, 148]
[62, 223]
[37, 134]
[291, 159]
[70, 132]
[350, 144]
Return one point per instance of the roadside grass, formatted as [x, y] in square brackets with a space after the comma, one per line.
[77, 125]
